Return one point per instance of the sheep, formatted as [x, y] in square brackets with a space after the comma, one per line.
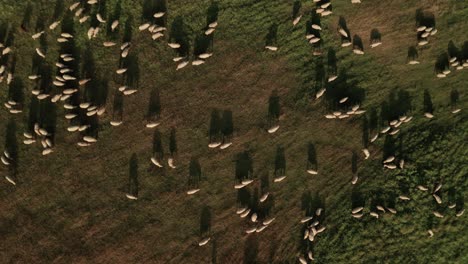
[182, 65]
[192, 191]
[273, 129]
[279, 179]
[269, 221]
[437, 198]
[131, 197]
[225, 145]
[156, 162]
[10, 180]
[296, 20]
[152, 124]
[272, 48]
[204, 242]
[312, 172]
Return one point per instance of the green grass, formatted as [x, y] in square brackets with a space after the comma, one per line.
[70, 206]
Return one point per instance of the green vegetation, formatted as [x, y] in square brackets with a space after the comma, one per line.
[70, 206]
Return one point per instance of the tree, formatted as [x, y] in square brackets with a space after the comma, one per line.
[215, 125]
[25, 23]
[311, 156]
[280, 162]
[195, 172]
[154, 107]
[178, 34]
[454, 96]
[133, 185]
[274, 107]
[212, 13]
[173, 142]
[296, 8]
[365, 132]
[205, 221]
[354, 160]
[158, 150]
[427, 103]
[227, 126]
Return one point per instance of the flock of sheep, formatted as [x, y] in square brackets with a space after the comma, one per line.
[314, 227]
